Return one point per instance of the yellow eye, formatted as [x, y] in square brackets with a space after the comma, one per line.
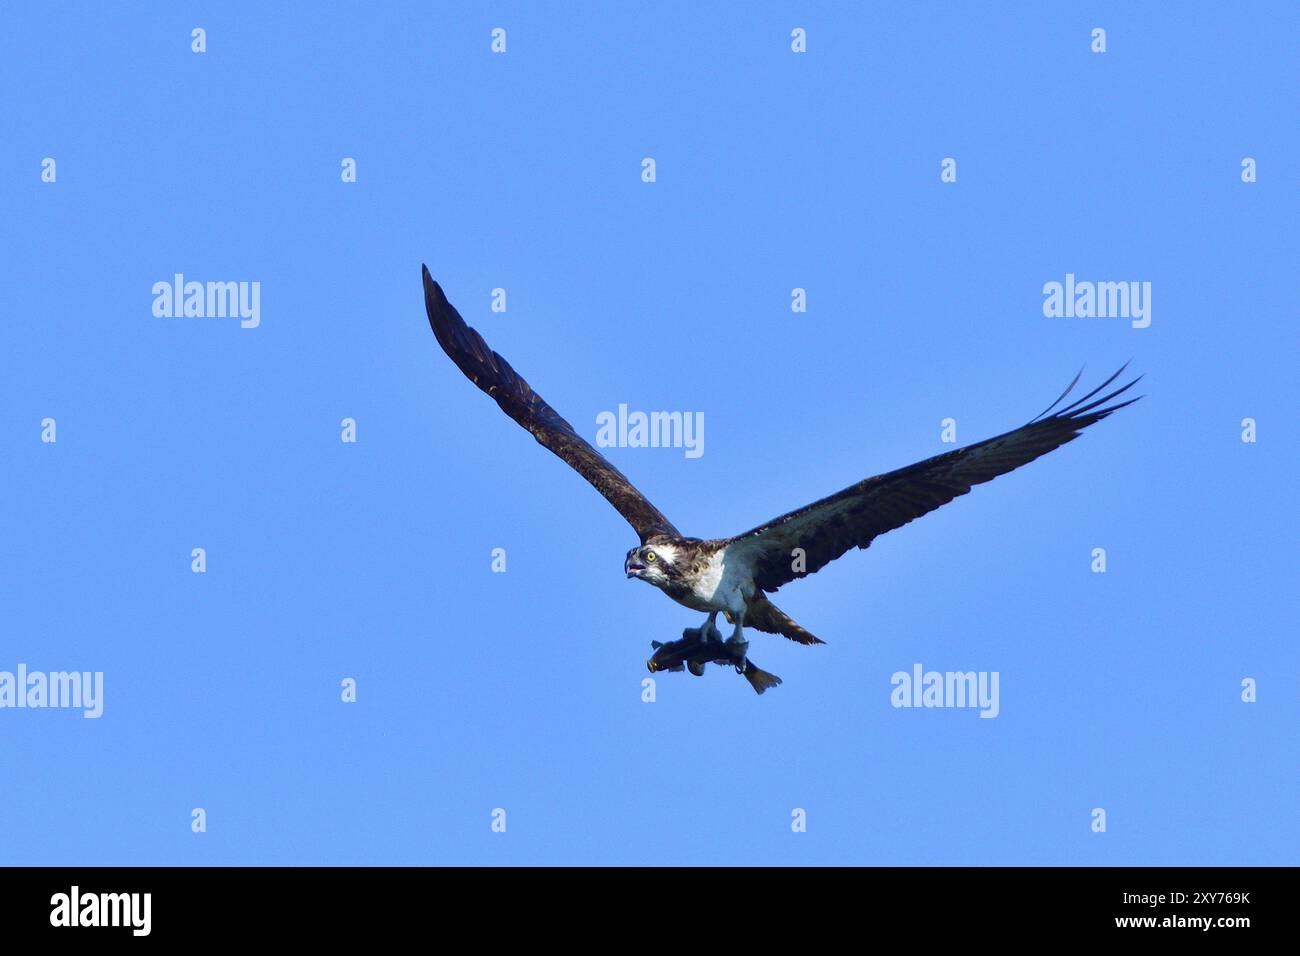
[651, 557]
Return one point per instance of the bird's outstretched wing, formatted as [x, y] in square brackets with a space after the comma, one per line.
[493, 374]
[854, 517]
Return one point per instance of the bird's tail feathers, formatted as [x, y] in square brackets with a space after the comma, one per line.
[766, 616]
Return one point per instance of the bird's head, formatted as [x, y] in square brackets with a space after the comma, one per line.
[653, 563]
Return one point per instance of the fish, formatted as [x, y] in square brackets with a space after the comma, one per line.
[691, 654]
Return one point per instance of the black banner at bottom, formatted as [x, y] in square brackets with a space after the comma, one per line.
[90, 905]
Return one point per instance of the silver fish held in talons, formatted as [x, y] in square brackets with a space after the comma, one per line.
[691, 653]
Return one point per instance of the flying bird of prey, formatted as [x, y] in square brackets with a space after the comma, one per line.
[733, 576]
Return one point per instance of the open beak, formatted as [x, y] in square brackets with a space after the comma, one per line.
[633, 569]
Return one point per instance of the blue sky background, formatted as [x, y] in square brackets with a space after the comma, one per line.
[523, 690]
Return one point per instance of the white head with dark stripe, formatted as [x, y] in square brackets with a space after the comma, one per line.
[655, 562]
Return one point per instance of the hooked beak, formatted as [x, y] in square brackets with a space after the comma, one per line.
[632, 568]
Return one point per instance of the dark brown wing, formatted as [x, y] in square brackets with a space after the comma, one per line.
[493, 374]
[854, 517]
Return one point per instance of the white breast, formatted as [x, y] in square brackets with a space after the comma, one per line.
[724, 582]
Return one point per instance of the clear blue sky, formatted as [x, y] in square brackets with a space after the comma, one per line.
[522, 171]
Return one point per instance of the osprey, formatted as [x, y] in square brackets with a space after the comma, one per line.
[733, 576]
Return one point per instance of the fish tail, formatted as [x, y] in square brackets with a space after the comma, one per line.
[760, 679]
